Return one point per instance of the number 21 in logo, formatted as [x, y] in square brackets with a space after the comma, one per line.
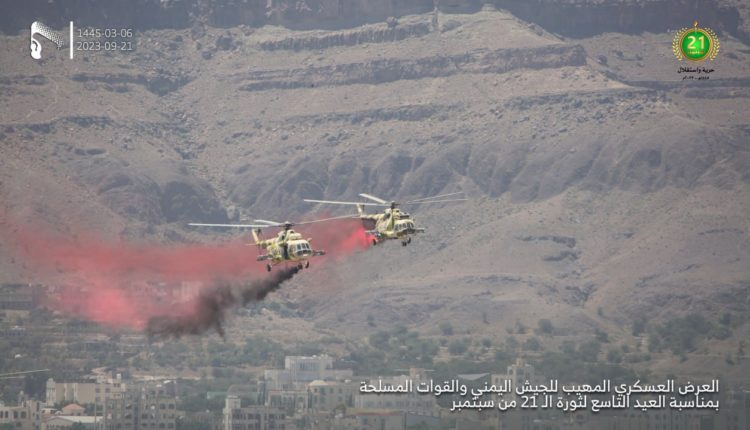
[695, 44]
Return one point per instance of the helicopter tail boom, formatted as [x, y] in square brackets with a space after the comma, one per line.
[256, 232]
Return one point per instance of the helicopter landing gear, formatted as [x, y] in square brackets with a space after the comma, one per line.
[408, 240]
[404, 243]
[268, 267]
[299, 266]
[374, 242]
[307, 264]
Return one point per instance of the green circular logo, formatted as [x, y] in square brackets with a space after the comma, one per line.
[695, 44]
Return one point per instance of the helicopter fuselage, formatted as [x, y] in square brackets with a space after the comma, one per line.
[392, 224]
[287, 246]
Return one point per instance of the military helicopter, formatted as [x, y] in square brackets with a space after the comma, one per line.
[287, 247]
[392, 223]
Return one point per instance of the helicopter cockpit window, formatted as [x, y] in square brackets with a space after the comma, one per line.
[301, 248]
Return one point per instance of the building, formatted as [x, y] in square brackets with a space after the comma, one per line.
[83, 392]
[253, 390]
[659, 419]
[122, 411]
[73, 410]
[735, 414]
[297, 401]
[149, 406]
[299, 371]
[329, 395]
[26, 416]
[13, 332]
[411, 402]
[205, 420]
[253, 417]
[518, 373]
[18, 297]
[370, 419]
[60, 422]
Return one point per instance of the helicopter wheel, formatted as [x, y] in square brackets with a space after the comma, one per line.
[299, 266]
[374, 242]
[307, 264]
[408, 240]
[404, 243]
[268, 267]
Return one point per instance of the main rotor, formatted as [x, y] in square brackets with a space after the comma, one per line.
[264, 223]
[377, 201]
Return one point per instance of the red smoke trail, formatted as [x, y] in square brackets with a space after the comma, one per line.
[87, 254]
[338, 238]
[124, 285]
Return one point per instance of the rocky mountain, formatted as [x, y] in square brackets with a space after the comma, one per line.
[576, 18]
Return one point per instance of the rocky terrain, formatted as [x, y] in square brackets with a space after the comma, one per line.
[604, 189]
[576, 18]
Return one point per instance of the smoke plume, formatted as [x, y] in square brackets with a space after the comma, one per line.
[211, 307]
[165, 290]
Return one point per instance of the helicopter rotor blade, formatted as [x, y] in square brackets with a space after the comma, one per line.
[21, 374]
[327, 219]
[435, 197]
[373, 198]
[267, 222]
[195, 224]
[438, 201]
[333, 202]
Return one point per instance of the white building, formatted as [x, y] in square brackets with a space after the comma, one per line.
[60, 422]
[518, 373]
[253, 417]
[411, 402]
[299, 371]
[26, 416]
[85, 392]
[329, 395]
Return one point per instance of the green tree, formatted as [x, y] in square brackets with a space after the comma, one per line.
[589, 350]
[568, 347]
[520, 328]
[446, 328]
[532, 344]
[512, 342]
[639, 326]
[545, 327]
[458, 346]
[726, 319]
[614, 355]
[379, 339]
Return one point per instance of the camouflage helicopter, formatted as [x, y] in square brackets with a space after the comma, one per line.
[287, 247]
[392, 223]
